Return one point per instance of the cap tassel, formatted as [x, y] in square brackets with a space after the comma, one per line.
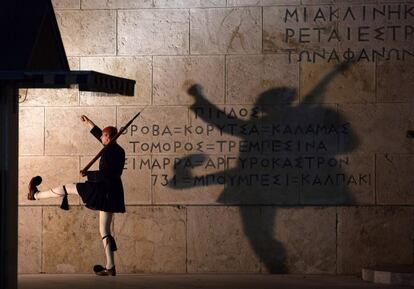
[65, 203]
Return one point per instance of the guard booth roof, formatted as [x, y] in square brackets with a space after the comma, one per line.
[33, 55]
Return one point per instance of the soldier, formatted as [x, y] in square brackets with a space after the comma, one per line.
[103, 190]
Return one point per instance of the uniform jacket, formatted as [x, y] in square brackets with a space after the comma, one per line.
[103, 189]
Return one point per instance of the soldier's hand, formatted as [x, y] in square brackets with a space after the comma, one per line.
[195, 90]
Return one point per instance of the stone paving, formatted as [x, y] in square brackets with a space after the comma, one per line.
[194, 281]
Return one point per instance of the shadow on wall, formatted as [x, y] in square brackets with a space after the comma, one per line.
[288, 155]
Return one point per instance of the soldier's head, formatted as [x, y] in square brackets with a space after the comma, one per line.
[279, 95]
[267, 100]
[108, 133]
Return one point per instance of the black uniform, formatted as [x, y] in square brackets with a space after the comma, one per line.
[103, 190]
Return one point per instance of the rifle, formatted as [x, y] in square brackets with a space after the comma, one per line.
[87, 167]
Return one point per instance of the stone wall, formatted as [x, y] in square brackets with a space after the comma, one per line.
[326, 186]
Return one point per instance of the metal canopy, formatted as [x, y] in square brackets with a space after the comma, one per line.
[30, 37]
[33, 56]
[86, 80]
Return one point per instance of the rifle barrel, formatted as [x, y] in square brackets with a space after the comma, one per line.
[88, 166]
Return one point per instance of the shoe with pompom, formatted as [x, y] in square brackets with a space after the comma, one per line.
[34, 182]
[102, 271]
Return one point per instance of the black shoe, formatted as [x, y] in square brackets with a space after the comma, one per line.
[102, 271]
[34, 182]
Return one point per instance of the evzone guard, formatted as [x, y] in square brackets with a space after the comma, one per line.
[103, 190]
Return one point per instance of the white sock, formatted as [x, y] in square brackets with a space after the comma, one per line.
[105, 219]
[57, 192]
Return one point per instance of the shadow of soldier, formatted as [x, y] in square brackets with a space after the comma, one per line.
[287, 155]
